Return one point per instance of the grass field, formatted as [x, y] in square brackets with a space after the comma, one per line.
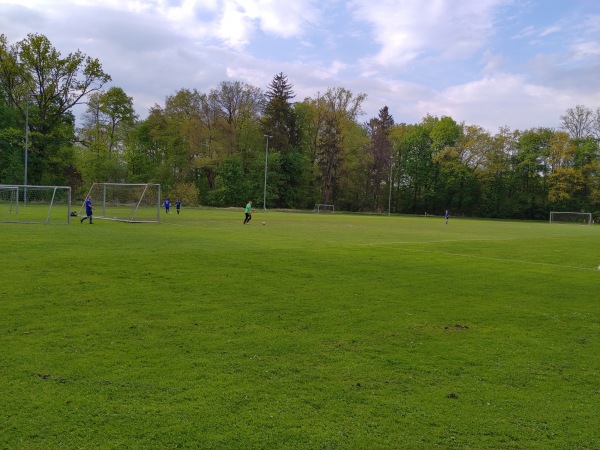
[311, 332]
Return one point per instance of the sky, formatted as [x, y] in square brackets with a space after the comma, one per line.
[493, 63]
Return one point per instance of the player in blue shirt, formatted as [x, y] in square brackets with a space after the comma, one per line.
[167, 206]
[88, 209]
[178, 206]
[447, 216]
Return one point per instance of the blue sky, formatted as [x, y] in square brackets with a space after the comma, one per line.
[492, 63]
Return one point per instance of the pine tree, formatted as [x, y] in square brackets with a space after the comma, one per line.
[279, 120]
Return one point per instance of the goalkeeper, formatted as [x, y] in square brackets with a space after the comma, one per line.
[88, 209]
[248, 212]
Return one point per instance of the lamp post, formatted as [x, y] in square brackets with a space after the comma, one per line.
[390, 192]
[266, 164]
[26, 149]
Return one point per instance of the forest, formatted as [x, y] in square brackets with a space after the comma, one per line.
[239, 142]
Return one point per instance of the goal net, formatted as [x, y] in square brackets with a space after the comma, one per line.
[571, 217]
[125, 202]
[35, 204]
[321, 208]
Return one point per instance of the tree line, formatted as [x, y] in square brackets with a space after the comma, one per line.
[213, 148]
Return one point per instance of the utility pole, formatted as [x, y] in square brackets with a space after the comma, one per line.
[26, 148]
[266, 164]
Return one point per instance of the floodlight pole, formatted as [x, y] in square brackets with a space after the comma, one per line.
[26, 149]
[390, 191]
[266, 164]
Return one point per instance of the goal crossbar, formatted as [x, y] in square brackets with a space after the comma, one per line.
[324, 208]
[125, 202]
[570, 217]
[26, 203]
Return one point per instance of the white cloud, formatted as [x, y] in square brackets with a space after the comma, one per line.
[444, 57]
[409, 29]
[585, 49]
[503, 99]
[550, 30]
[239, 19]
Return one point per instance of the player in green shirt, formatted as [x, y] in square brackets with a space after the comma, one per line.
[248, 212]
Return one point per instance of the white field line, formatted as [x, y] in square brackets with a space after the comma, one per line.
[464, 255]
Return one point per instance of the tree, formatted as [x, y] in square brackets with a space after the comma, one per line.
[333, 116]
[279, 122]
[530, 172]
[235, 102]
[380, 158]
[108, 119]
[578, 121]
[416, 168]
[33, 72]
[279, 118]
[11, 149]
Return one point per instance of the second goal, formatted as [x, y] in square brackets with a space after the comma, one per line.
[571, 217]
[125, 202]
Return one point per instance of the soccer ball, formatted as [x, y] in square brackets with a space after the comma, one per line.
[264, 223]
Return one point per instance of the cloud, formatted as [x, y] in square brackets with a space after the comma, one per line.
[238, 20]
[502, 99]
[411, 29]
[550, 30]
[465, 58]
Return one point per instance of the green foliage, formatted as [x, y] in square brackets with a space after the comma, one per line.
[44, 86]
[313, 331]
[187, 193]
[11, 156]
[319, 151]
[231, 186]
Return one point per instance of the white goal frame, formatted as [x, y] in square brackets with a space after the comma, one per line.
[584, 218]
[324, 208]
[26, 205]
[105, 207]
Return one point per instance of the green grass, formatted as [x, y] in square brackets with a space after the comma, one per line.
[314, 331]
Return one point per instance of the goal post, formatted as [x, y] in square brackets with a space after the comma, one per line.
[20, 203]
[322, 208]
[125, 202]
[571, 217]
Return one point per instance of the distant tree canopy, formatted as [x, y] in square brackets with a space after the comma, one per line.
[42, 87]
[218, 147]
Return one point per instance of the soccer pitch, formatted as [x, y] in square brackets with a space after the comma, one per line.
[312, 331]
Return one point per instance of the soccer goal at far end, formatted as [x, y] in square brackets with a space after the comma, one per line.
[321, 208]
[571, 217]
[125, 202]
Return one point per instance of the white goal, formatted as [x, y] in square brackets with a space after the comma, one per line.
[321, 208]
[125, 202]
[571, 217]
[21, 203]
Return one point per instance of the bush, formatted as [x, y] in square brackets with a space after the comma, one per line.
[186, 192]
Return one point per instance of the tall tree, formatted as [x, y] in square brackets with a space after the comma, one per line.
[334, 115]
[578, 121]
[279, 118]
[530, 171]
[416, 168]
[279, 122]
[380, 149]
[108, 119]
[33, 72]
[11, 149]
[235, 102]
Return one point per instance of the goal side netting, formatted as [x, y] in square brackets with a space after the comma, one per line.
[124, 202]
[21, 203]
[321, 208]
[571, 217]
